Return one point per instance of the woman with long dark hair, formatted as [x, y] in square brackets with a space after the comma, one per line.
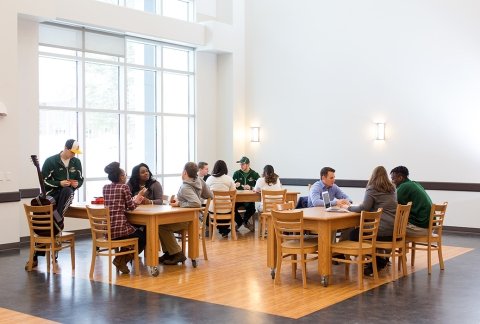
[142, 178]
[268, 181]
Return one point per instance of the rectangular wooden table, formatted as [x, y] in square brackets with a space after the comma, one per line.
[316, 219]
[252, 196]
[151, 216]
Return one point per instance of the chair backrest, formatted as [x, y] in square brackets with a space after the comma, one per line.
[270, 198]
[437, 216]
[224, 201]
[284, 206]
[40, 220]
[205, 208]
[100, 223]
[369, 223]
[288, 225]
[401, 221]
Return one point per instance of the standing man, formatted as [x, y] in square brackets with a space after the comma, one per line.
[203, 170]
[408, 190]
[245, 179]
[62, 174]
[327, 183]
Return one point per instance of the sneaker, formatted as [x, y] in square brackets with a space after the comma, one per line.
[165, 256]
[175, 259]
[34, 265]
[121, 264]
[250, 226]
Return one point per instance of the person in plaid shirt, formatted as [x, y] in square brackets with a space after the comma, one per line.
[118, 199]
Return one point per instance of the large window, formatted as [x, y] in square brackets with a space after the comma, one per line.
[178, 9]
[125, 99]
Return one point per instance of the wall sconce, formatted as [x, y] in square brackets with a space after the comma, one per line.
[380, 132]
[254, 134]
[3, 110]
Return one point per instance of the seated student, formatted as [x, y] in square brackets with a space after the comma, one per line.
[203, 170]
[220, 181]
[190, 194]
[118, 199]
[407, 191]
[380, 193]
[327, 183]
[142, 178]
[268, 181]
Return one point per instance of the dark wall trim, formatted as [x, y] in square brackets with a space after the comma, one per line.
[17, 195]
[446, 186]
[9, 196]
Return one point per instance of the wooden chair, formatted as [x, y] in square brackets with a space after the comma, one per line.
[183, 234]
[223, 209]
[364, 249]
[289, 234]
[42, 236]
[289, 205]
[432, 241]
[270, 198]
[102, 243]
[396, 248]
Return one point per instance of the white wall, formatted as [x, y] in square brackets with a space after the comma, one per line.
[317, 80]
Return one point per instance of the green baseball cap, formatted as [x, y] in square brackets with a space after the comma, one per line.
[244, 159]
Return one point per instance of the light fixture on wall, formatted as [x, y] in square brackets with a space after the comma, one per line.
[3, 109]
[380, 132]
[254, 134]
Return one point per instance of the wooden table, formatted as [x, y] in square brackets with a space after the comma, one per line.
[252, 196]
[322, 222]
[151, 216]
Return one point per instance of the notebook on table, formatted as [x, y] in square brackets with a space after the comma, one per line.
[328, 204]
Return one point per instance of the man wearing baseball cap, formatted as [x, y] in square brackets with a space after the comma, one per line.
[245, 179]
[62, 174]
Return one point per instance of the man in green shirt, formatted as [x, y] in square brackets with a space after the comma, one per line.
[245, 179]
[408, 190]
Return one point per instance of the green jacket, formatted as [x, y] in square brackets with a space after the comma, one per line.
[54, 171]
[421, 202]
[245, 178]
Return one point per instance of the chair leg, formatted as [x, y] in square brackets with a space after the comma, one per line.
[135, 259]
[204, 244]
[374, 265]
[304, 270]
[429, 258]
[404, 262]
[47, 259]
[264, 227]
[394, 268]
[92, 263]
[110, 266]
[279, 266]
[294, 266]
[440, 256]
[233, 231]
[213, 227]
[30, 257]
[412, 260]
[72, 253]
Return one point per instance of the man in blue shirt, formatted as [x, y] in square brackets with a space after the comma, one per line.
[327, 183]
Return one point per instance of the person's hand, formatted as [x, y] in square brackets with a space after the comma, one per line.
[138, 199]
[246, 187]
[343, 203]
[237, 184]
[146, 201]
[142, 191]
[174, 203]
[73, 183]
[65, 183]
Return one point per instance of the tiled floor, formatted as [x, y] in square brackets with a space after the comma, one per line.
[449, 296]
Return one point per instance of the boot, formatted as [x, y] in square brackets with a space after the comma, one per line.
[121, 263]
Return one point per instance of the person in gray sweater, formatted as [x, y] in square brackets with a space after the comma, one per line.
[380, 193]
[191, 194]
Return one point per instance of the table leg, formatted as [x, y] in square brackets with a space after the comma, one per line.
[271, 247]
[193, 239]
[324, 258]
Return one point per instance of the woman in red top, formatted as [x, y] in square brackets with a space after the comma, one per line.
[118, 199]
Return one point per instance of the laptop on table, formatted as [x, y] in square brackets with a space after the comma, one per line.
[328, 204]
